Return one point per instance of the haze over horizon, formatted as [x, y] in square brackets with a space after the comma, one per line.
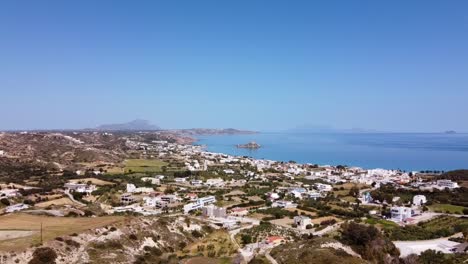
[263, 65]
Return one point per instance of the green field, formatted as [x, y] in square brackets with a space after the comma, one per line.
[381, 223]
[144, 165]
[442, 226]
[443, 208]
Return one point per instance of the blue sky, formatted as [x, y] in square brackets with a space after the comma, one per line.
[393, 66]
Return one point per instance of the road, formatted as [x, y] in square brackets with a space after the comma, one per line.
[245, 252]
[73, 198]
[327, 230]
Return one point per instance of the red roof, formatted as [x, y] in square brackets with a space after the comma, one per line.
[273, 239]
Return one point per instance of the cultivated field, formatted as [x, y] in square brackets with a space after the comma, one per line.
[444, 208]
[52, 227]
[144, 165]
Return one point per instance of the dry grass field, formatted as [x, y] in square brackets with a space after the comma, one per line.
[317, 221]
[218, 240]
[60, 201]
[52, 227]
[300, 211]
[94, 181]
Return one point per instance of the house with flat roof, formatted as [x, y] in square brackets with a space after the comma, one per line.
[302, 221]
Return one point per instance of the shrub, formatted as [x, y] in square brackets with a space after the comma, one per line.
[5, 201]
[196, 234]
[72, 243]
[153, 250]
[43, 255]
[246, 239]
[111, 244]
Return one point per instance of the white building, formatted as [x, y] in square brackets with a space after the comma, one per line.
[314, 195]
[80, 187]
[131, 188]
[196, 183]
[274, 196]
[218, 182]
[442, 184]
[170, 198]
[239, 211]
[419, 200]
[323, 187]
[214, 211]
[2, 152]
[284, 204]
[180, 180]
[127, 198]
[302, 221]
[152, 180]
[9, 193]
[16, 208]
[199, 203]
[400, 214]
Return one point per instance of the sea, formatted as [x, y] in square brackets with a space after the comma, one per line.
[404, 151]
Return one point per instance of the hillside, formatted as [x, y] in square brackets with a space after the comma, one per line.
[313, 251]
[456, 175]
[59, 150]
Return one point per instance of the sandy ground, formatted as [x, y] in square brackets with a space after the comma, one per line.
[317, 221]
[12, 234]
[52, 228]
[61, 201]
[286, 222]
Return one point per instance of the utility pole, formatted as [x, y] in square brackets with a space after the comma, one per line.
[41, 233]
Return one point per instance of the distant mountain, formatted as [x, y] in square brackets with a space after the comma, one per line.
[135, 125]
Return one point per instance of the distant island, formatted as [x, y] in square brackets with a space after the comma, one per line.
[450, 132]
[135, 125]
[250, 145]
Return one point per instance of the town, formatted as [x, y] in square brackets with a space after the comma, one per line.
[243, 209]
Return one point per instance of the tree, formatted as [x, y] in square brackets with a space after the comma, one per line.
[246, 239]
[5, 201]
[354, 191]
[432, 257]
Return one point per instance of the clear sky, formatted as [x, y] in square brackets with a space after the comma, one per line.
[385, 65]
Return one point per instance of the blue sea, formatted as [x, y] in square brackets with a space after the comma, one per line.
[405, 151]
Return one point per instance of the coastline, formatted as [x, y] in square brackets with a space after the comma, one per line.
[367, 150]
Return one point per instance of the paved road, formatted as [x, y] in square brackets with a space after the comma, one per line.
[416, 247]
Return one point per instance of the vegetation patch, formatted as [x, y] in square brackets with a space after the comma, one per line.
[442, 226]
[144, 165]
